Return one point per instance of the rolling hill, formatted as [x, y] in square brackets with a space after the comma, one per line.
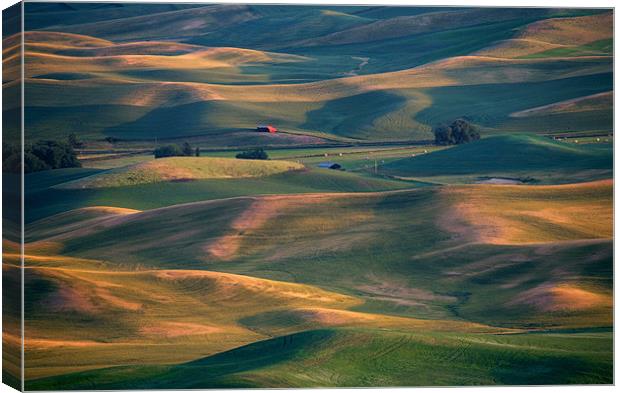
[61, 197]
[136, 321]
[460, 278]
[180, 22]
[485, 263]
[594, 102]
[340, 362]
[211, 108]
[183, 169]
[559, 37]
[518, 157]
[222, 74]
[369, 258]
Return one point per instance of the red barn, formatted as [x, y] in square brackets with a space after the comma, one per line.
[267, 128]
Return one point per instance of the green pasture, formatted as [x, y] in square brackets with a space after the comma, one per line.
[597, 48]
[154, 195]
[390, 249]
[490, 105]
[358, 358]
[397, 270]
[386, 115]
[525, 157]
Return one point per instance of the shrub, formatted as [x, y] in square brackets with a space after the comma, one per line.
[253, 154]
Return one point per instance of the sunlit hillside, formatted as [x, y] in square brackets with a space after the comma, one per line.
[276, 196]
[218, 69]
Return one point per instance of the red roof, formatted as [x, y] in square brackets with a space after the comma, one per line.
[268, 128]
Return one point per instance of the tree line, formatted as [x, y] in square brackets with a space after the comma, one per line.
[54, 154]
[176, 150]
[253, 154]
[39, 156]
[186, 150]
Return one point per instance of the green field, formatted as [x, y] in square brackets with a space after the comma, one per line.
[382, 359]
[526, 158]
[171, 169]
[412, 264]
[400, 263]
[425, 67]
[153, 195]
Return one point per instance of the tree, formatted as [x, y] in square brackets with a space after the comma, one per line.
[460, 131]
[11, 162]
[54, 154]
[186, 149]
[167, 151]
[40, 156]
[11, 158]
[197, 152]
[33, 163]
[174, 150]
[443, 135]
[253, 154]
[72, 139]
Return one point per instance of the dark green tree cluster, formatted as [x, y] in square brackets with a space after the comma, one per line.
[460, 131]
[74, 141]
[253, 154]
[39, 156]
[111, 139]
[174, 150]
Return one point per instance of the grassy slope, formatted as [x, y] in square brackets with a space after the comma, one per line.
[155, 195]
[594, 102]
[362, 250]
[436, 274]
[46, 65]
[45, 15]
[203, 112]
[591, 112]
[127, 316]
[64, 56]
[292, 23]
[187, 21]
[516, 156]
[391, 258]
[422, 23]
[559, 37]
[517, 215]
[456, 101]
[372, 358]
[408, 103]
[183, 169]
[78, 219]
